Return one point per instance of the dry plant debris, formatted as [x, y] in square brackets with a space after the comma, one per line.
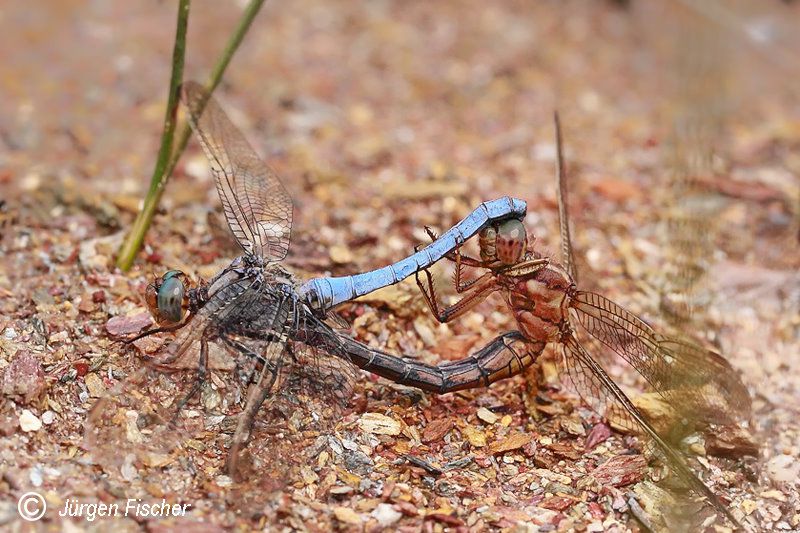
[382, 119]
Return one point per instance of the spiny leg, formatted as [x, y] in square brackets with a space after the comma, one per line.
[247, 352]
[480, 290]
[465, 259]
[160, 329]
[458, 281]
[460, 260]
[526, 267]
[257, 394]
[200, 378]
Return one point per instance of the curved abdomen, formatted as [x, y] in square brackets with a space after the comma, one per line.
[507, 355]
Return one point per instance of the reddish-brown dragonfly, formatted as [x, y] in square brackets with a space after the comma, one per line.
[549, 308]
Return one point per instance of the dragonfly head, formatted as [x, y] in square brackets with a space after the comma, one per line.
[167, 297]
[505, 241]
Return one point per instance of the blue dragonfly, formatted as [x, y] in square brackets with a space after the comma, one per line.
[254, 338]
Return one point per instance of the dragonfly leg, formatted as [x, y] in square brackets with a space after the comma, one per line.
[200, 378]
[244, 350]
[527, 267]
[459, 283]
[258, 393]
[459, 259]
[467, 260]
[481, 288]
[160, 329]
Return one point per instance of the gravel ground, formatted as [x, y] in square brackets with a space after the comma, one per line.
[682, 136]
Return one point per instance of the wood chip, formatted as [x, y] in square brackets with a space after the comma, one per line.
[598, 434]
[120, 326]
[620, 470]
[512, 442]
[557, 503]
[437, 429]
[731, 442]
[347, 515]
[379, 424]
[475, 436]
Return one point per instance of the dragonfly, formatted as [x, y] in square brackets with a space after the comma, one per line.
[253, 339]
[549, 308]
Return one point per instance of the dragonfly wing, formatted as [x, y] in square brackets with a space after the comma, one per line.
[326, 374]
[256, 205]
[136, 430]
[591, 374]
[563, 205]
[699, 383]
[313, 389]
[712, 371]
[592, 392]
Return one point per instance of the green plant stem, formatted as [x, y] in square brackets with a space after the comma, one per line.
[133, 242]
[165, 167]
[216, 75]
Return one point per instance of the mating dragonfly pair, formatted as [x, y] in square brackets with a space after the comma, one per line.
[280, 354]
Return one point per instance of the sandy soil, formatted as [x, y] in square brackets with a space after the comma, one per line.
[682, 133]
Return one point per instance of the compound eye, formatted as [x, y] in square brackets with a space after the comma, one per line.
[170, 297]
[511, 241]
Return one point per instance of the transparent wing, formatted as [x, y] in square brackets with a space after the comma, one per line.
[592, 392]
[303, 398]
[697, 382]
[592, 376]
[563, 205]
[162, 427]
[256, 205]
[151, 432]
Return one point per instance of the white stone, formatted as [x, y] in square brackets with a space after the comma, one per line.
[28, 422]
[783, 468]
[386, 514]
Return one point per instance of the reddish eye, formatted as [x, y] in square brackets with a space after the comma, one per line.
[151, 298]
[511, 241]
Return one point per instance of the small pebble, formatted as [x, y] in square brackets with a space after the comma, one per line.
[783, 468]
[487, 416]
[341, 254]
[28, 422]
[36, 476]
[94, 385]
[224, 481]
[346, 515]
[60, 336]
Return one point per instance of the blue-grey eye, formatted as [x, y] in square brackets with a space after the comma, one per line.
[170, 297]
